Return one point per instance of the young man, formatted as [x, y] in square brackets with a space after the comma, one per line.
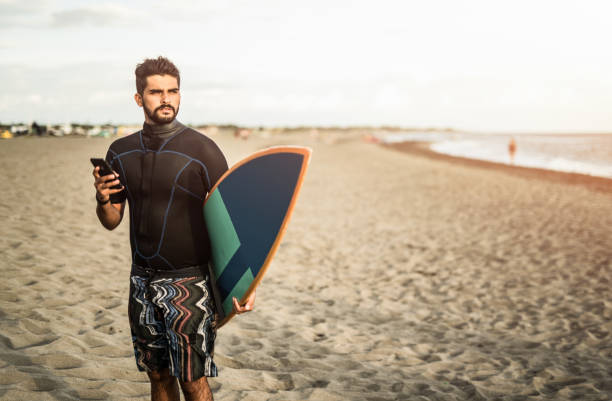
[165, 171]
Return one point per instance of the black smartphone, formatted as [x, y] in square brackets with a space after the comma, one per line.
[105, 168]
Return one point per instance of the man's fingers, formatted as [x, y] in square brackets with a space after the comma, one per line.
[104, 184]
[114, 191]
[250, 302]
[110, 177]
[247, 307]
[108, 183]
[237, 308]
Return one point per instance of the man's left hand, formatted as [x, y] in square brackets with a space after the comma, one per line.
[247, 307]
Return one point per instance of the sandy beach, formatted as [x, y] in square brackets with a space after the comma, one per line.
[402, 276]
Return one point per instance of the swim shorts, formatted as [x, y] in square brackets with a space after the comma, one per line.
[172, 320]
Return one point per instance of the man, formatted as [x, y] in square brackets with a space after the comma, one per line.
[165, 171]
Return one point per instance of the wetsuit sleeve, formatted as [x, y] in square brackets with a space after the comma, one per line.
[215, 164]
[119, 197]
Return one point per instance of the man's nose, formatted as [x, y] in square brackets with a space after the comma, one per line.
[165, 98]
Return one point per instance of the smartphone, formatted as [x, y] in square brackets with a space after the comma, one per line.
[105, 169]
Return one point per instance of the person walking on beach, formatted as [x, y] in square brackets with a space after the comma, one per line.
[512, 149]
[165, 171]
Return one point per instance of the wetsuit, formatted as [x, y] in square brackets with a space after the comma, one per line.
[167, 171]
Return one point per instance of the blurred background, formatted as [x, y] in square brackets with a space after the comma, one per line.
[536, 66]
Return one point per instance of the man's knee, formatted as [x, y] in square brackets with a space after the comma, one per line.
[198, 387]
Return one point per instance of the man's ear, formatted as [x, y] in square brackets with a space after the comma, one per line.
[138, 99]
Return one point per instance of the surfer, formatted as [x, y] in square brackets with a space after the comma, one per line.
[164, 172]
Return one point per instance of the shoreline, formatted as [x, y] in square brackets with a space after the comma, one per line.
[591, 182]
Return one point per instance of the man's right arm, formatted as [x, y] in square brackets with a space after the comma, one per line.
[110, 214]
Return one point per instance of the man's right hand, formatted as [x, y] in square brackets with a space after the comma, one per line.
[103, 185]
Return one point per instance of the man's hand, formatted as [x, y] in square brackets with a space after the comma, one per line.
[103, 184]
[109, 214]
[247, 307]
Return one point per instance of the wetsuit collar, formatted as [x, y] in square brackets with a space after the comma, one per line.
[154, 136]
[162, 130]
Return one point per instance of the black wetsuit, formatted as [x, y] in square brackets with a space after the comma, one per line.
[167, 171]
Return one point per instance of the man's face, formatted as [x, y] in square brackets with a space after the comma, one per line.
[160, 99]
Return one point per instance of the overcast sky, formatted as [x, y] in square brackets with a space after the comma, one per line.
[474, 64]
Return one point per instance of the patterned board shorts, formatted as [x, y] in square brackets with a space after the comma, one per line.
[173, 324]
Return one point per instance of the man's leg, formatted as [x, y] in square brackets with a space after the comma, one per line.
[188, 310]
[163, 386]
[150, 341]
[197, 390]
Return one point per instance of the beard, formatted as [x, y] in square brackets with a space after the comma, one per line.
[158, 119]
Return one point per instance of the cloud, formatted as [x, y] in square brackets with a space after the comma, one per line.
[74, 92]
[5, 44]
[10, 8]
[95, 15]
[15, 13]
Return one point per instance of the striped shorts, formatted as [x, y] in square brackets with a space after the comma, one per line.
[172, 320]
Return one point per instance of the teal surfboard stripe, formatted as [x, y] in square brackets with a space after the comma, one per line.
[221, 231]
[239, 289]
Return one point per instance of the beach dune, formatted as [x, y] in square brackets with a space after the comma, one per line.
[400, 277]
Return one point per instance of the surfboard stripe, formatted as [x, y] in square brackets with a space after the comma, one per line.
[239, 288]
[228, 243]
[233, 273]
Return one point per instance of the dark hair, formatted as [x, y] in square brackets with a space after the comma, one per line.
[155, 66]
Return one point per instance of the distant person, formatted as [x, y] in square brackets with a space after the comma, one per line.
[512, 149]
[166, 170]
[37, 129]
[244, 134]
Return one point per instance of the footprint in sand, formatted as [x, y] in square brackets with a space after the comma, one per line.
[279, 354]
[39, 384]
[91, 394]
[255, 345]
[112, 303]
[25, 256]
[286, 382]
[58, 361]
[320, 383]
[16, 339]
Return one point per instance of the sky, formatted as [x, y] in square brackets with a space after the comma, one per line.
[484, 65]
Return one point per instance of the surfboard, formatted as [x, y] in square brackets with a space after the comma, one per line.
[246, 215]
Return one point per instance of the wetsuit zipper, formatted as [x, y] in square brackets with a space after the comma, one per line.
[146, 188]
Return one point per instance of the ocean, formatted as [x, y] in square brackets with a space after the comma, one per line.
[577, 153]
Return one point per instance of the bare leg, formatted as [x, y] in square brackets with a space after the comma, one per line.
[163, 386]
[197, 390]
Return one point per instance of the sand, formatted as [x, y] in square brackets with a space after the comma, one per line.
[401, 277]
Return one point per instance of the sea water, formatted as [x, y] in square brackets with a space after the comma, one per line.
[577, 153]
